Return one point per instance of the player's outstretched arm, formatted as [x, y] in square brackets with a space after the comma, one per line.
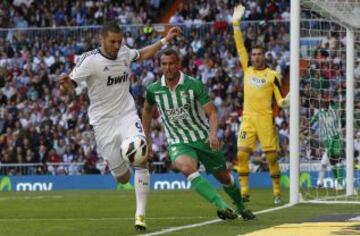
[66, 84]
[149, 51]
[239, 41]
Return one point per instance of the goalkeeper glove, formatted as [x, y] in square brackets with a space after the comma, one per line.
[238, 13]
[285, 103]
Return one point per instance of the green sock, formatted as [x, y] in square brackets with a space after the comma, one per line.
[207, 191]
[339, 173]
[234, 193]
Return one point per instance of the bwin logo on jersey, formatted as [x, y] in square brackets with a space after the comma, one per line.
[117, 79]
[256, 82]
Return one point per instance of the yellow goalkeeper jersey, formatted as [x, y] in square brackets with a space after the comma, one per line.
[259, 85]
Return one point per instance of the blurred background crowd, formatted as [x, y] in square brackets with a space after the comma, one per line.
[38, 125]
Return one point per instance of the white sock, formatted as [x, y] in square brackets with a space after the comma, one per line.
[142, 185]
[321, 175]
[193, 176]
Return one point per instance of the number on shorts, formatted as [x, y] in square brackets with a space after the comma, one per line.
[242, 134]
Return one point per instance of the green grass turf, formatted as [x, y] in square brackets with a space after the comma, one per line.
[103, 213]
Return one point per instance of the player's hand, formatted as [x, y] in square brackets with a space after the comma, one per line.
[214, 142]
[238, 13]
[172, 33]
[65, 84]
[285, 103]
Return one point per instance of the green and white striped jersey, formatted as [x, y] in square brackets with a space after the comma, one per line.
[181, 109]
[328, 123]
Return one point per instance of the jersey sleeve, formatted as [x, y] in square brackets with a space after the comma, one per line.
[149, 96]
[134, 54]
[240, 47]
[82, 70]
[277, 89]
[201, 93]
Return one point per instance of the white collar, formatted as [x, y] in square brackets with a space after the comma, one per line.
[181, 80]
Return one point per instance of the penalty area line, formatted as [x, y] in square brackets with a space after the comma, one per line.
[173, 229]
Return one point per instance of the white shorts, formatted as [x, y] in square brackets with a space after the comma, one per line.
[109, 136]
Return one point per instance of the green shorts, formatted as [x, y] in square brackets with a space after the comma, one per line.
[334, 147]
[200, 151]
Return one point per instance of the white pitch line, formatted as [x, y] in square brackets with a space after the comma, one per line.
[332, 202]
[101, 219]
[173, 229]
[357, 218]
[29, 198]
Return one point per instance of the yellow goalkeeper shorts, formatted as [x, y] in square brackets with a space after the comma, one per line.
[260, 128]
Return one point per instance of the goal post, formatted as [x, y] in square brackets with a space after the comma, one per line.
[350, 111]
[294, 147]
[313, 24]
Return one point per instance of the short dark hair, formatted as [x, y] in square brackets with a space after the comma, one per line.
[168, 51]
[110, 27]
[258, 47]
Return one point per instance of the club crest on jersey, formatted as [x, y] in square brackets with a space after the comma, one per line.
[117, 79]
[184, 95]
[257, 82]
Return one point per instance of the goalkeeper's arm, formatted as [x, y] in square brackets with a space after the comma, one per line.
[282, 102]
[285, 102]
[239, 41]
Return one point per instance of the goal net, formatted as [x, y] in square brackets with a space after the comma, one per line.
[324, 58]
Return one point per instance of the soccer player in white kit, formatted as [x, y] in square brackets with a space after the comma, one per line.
[112, 111]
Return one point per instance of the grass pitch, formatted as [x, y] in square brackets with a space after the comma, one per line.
[111, 213]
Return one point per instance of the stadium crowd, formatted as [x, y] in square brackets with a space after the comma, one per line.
[52, 13]
[38, 125]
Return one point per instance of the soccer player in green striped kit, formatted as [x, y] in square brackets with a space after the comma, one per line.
[328, 123]
[183, 103]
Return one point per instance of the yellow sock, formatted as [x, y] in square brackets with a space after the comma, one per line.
[274, 171]
[244, 183]
[243, 169]
[276, 186]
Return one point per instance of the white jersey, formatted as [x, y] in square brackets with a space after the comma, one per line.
[108, 83]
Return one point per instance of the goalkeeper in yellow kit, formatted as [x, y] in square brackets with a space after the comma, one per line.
[260, 84]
